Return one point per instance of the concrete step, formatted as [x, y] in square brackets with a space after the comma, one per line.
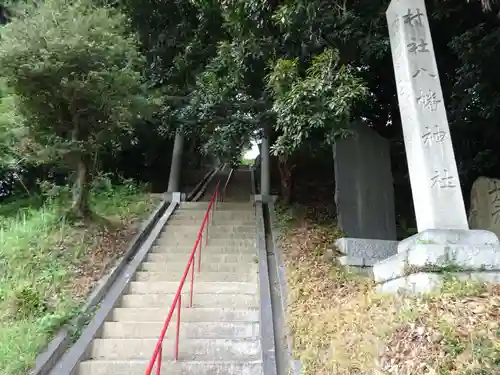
[216, 228]
[206, 330]
[189, 349]
[182, 231]
[234, 301]
[229, 206]
[209, 250]
[218, 221]
[195, 314]
[238, 209]
[220, 334]
[218, 213]
[243, 276]
[169, 287]
[195, 227]
[209, 259]
[216, 242]
[219, 235]
[169, 367]
[208, 264]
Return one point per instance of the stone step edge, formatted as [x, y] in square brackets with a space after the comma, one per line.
[224, 309]
[186, 324]
[428, 258]
[171, 266]
[171, 340]
[241, 322]
[163, 258]
[175, 283]
[169, 361]
[177, 274]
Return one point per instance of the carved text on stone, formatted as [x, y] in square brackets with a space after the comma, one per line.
[443, 180]
[415, 47]
[494, 193]
[429, 100]
[433, 135]
[414, 19]
[423, 71]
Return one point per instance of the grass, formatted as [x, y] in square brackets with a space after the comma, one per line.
[48, 267]
[341, 325]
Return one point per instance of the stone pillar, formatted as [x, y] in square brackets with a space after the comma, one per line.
[265, 170]
[435, 183]
[175, 167]
[444, 238]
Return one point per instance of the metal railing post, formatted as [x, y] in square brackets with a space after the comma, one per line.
[214, 206]
[160, 354]
[200, 240]
[178, 327]
[192, 284]
[206, 235]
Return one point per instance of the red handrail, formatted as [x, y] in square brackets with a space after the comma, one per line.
[157, 354]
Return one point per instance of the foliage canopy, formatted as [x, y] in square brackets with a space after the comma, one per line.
[75, 72]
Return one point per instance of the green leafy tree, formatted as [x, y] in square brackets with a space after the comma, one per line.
[322, 100]
[11, 130]
[177, 37]
[317, 104]
[264, 78]
[230, 103]
[75, 71]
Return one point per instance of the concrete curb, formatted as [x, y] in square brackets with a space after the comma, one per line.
[58, 346]
[68, 363]
[223, 193]
[202, 185]
[294, 365]
[201, 191]
[266, 312]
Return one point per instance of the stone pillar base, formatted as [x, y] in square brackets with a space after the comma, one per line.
[423, 260]
[425, 282]
[449, 237]
[361, 252]
[175, 197]
[263, 198]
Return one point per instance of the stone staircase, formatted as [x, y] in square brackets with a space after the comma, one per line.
[220, 334]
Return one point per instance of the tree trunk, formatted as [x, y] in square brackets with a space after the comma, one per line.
[286, 174]
[80, 203]
[80, 208]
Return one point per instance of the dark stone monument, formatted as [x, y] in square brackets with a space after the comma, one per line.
[364, 195]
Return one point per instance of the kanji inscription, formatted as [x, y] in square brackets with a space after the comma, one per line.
[429, 100]
[433, 135]
[414, 18]
[417, 46]
[443, 180]
[494, 193]
[423, 71]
